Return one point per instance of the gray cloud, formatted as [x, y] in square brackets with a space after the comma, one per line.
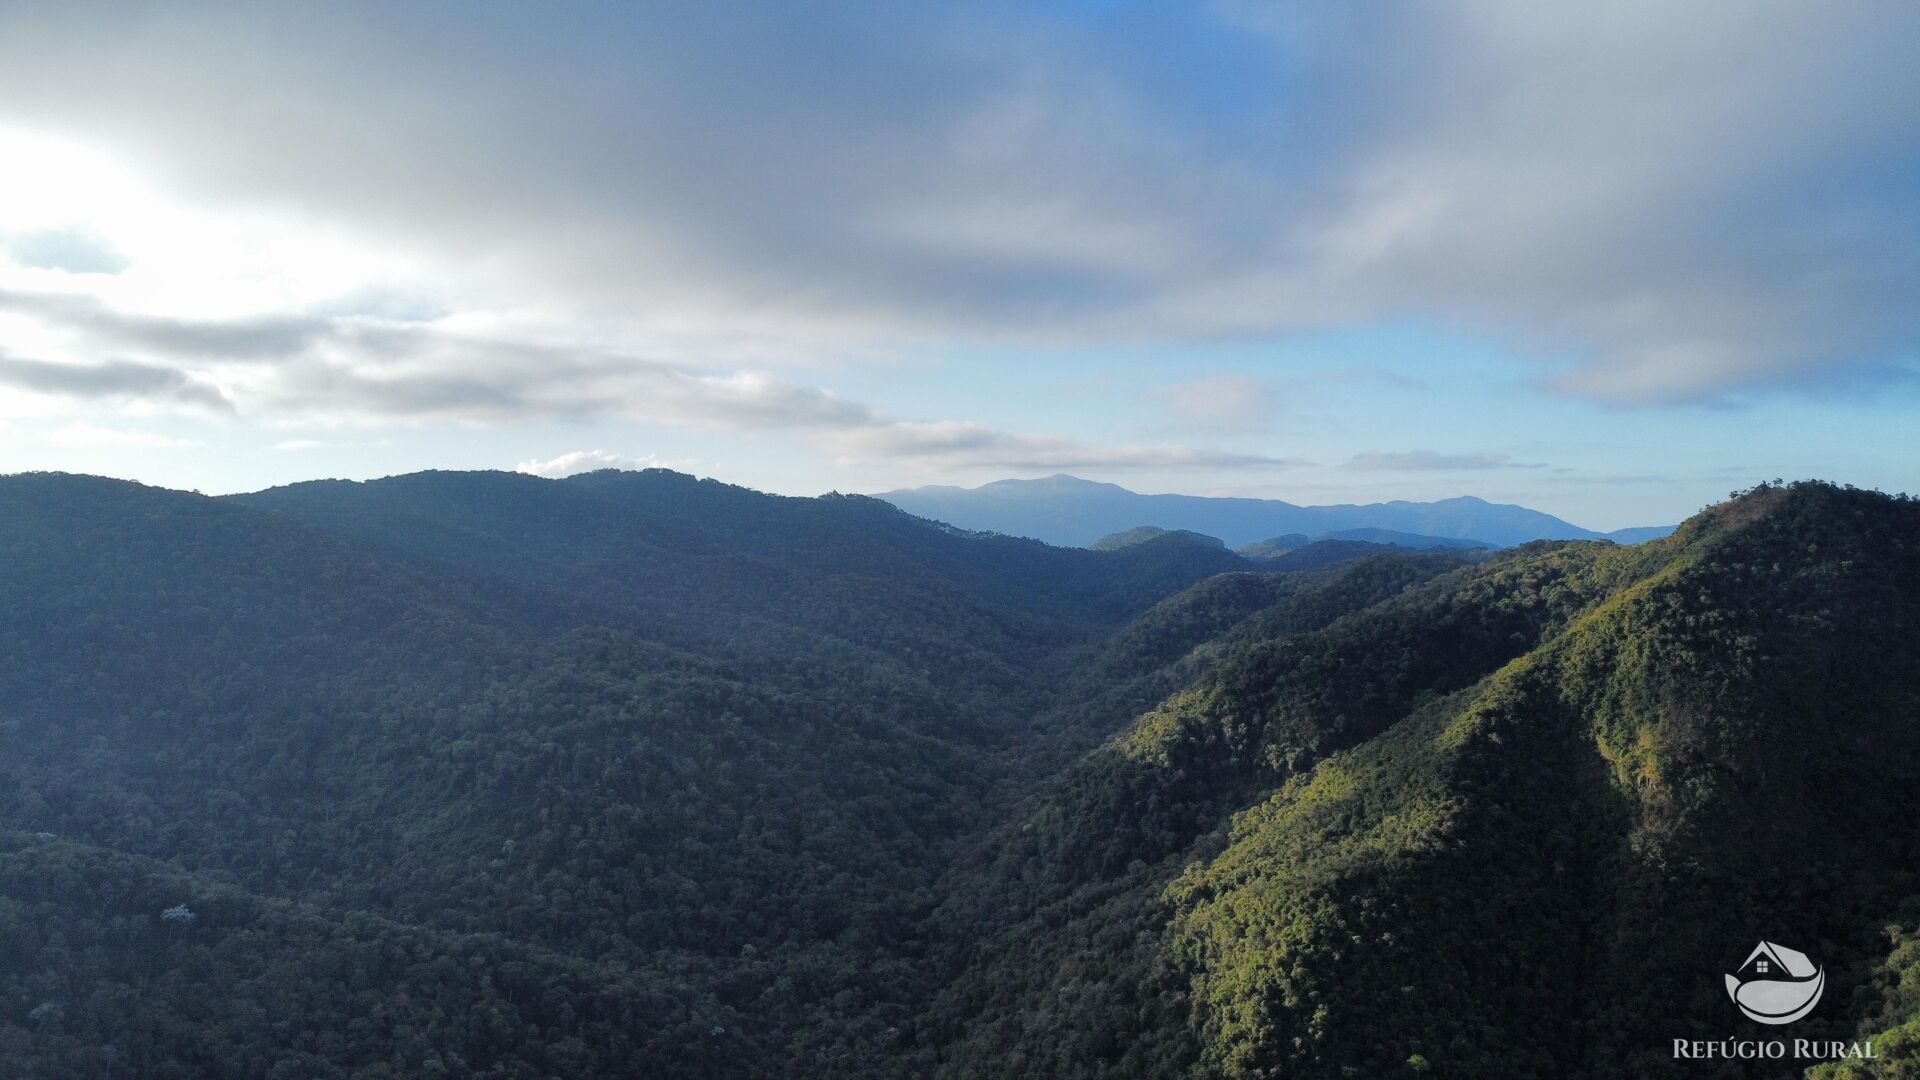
[420, 374]
[251, 339]
[346, 367]
[117, 380]
[352, 370]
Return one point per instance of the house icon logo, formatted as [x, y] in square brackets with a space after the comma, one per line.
[1776, 985]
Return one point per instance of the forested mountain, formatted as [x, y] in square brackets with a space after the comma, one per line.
[1515, 821]
[479, 774]
[1319, 553]
[1289, 550]
[1415, 540]
[1068, 510]
[1274, 546]
[1143, 533]
[689, 743]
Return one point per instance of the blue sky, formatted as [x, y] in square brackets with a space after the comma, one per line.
[1609, 263]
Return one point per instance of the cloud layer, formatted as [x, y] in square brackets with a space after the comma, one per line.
[1660, 204]
[336, 370]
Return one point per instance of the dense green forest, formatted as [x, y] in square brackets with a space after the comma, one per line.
[631, 774]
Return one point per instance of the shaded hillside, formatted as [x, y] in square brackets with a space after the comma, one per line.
[249, 986]
[716, 566]
[1103, 687]
[712, 740]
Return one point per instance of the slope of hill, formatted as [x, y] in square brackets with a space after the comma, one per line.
[1514, 822]
[1070, 511]
[477, 774]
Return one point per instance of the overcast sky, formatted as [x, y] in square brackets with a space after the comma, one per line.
[1611, 261]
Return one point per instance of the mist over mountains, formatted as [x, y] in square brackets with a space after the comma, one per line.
[1067, 510]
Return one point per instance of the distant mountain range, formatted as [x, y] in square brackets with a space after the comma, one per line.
[1359, 541]
[1280, 545]
[1069, 511]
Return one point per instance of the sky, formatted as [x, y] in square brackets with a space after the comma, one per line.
[1609, 261]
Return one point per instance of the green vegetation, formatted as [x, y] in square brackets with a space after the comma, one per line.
[1890, 1005]
[633, 774]
[1511, 822]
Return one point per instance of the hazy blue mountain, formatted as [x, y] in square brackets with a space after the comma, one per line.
[1639, 535]
[1143, 533]
[1274, 546]
[1402, 539]
[1067, 510]
[1265, 552]
[1322, 553]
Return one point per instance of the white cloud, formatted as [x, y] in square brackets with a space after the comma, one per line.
[579, 461]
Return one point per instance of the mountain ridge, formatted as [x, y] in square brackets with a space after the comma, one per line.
[1070, 511]
[1627, 772]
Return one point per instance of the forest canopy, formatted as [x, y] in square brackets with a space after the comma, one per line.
[479, 774]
